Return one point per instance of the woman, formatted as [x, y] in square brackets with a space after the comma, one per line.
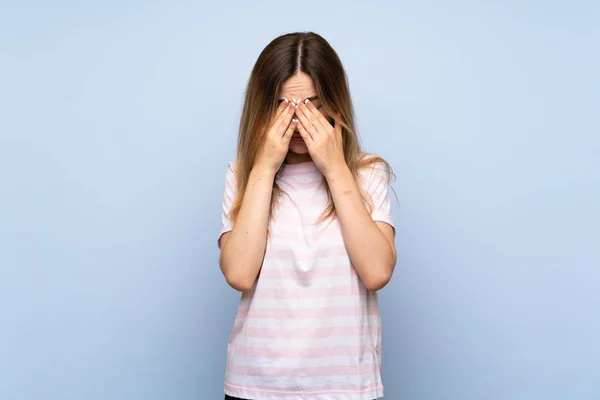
[307, 235]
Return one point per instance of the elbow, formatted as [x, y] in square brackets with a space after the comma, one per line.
[379, 271]
[236, 278]
[379, 278]
[374, 284]
[238, 283]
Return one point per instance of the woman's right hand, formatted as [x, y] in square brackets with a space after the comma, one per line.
[277, 140]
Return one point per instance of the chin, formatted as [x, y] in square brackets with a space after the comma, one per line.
[298, 148]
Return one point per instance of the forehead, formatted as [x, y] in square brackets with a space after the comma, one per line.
[299, 86]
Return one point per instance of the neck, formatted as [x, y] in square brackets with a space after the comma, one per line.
[293, 158]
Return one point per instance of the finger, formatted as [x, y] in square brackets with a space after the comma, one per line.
[305, 121]
[287, 136]
[281, 107]
[278, 112]
[284, 118]
[309, 115]
[308, 139]
[318, 116]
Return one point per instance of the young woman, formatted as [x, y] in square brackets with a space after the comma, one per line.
[307, 235]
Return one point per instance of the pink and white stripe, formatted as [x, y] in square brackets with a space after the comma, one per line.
[308, 329]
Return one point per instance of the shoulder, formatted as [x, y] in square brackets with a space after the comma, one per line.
[232, 169]
[231, 174]
[373, 167]
[232, 166]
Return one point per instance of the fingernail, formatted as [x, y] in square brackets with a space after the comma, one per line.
[294, 120]
[306, 101]
[286, 100]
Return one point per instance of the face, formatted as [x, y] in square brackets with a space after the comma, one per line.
[300, 87]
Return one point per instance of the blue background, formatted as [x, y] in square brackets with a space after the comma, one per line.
[117, 122]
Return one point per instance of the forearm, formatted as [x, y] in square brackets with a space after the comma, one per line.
[243, 252]
[369, 250]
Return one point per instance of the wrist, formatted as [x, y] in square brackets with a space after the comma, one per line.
[263, 171]
[337, 173]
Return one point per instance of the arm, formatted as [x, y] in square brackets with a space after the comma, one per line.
[243, 245]
[370, 244]
[243, 248]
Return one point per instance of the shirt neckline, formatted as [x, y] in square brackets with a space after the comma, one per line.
[303, 167]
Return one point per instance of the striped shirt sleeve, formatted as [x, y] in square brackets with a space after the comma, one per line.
[230, 192]
[378, 189]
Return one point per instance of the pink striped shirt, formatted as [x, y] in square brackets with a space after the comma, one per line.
[308, 328]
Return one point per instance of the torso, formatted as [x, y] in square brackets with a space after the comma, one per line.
[308, 329]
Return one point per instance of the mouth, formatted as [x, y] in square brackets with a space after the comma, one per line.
[296, 137]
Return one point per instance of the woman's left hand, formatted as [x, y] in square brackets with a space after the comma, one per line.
[324, 141]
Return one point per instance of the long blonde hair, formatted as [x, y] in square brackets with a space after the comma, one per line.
[285, 56]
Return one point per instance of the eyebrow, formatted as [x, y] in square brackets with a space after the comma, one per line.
[313, 98]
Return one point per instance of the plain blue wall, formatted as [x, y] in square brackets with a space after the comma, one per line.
[118, 119]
